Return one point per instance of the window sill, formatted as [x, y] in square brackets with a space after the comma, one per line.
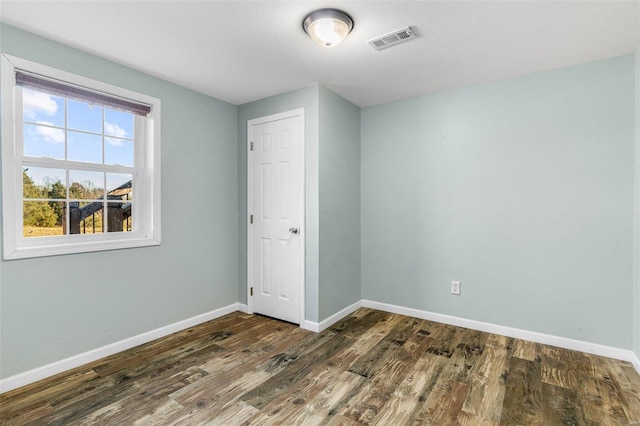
[49, 249]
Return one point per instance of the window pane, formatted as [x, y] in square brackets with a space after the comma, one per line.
[41, 182]
[84, 147]
[119, 217]
[118, 123]
[84, 185]
[67, 134]
[119, 186]
[118, 151]
[40, 219]
[89, 218]
[40, 107]
[43, 141]
[83, 116]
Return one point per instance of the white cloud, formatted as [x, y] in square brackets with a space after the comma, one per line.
[49, 134]
[114, 142]
[115, 130]
[38, 102]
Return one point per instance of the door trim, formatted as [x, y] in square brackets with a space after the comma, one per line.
[299, 112]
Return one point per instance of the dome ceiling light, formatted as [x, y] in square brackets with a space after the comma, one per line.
[327, 27]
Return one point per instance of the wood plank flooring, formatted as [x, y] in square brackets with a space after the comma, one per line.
[370, 368]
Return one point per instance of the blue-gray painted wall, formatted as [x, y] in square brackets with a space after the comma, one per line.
[52, 308]
[340, 283]
[332, 196]
[636, 256]
[306, 98]
[522, 189]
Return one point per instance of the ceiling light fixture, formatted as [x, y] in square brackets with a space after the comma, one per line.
[327, 27]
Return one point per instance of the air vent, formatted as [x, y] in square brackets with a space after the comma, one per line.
[392, 39]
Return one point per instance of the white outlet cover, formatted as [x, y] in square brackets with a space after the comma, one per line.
[455, 287]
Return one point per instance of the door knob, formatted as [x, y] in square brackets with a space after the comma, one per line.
[294, 230]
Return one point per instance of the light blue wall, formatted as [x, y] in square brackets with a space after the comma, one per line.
[339, 203]
[522, 189]
[55, 307]
[332, 191]
[306, 98]
[636, 253]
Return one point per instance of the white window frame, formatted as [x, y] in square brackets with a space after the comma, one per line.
[147, 220]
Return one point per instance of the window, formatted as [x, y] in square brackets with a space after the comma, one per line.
[80, 163]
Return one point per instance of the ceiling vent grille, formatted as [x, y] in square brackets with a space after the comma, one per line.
[393, 38]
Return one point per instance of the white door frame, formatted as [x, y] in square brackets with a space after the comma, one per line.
[250, 123]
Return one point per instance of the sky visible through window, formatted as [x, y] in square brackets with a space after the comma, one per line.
[90, 133]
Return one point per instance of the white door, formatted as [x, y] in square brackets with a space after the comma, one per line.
[276, 216]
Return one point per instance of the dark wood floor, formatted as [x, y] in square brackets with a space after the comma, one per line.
[371, 367]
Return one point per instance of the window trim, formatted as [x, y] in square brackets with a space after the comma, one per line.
[15, 245]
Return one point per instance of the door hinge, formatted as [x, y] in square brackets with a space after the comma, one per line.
[251, 219]
[251, 291]
[251, 146]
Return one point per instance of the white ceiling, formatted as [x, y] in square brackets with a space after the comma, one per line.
[240, 51]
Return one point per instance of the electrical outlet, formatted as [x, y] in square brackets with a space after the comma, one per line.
[455, 287]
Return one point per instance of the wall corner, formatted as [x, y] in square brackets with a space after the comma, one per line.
[636, 227]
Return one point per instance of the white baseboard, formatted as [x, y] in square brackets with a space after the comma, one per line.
[322, 325]
[636, 362]
[547, 339]
[49, 370]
